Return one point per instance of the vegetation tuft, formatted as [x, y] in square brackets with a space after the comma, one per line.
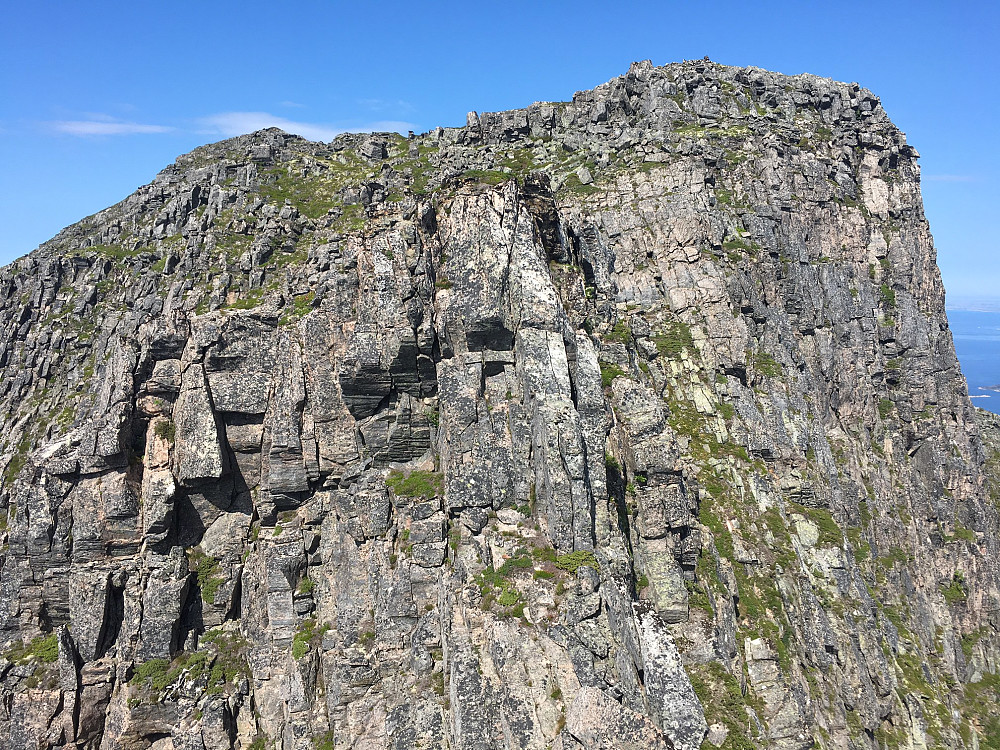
[573, 561]
[43, 649]
[308, 637]
[675, 340]
[166, 430]
[207, 570]
[610, 371]
[766, 364]
[426, 484]
[217, 665]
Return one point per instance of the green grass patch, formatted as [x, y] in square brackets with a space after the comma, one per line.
[888, 295]
[311, 194]
[155, 673]
[43, 648]
[738, 243]
[519, 561]
[573, 561]
[252, 299]
[417, 483]
[486, 176]
[351, 219]
[218, 664]
[962, 534]
[621, 333]
[969, 640]
[207, 571]
[301, 306]
[18, 460]
[724, 703]
[709, 517]
[165, 430]
[884, 407]
[520, 161]
[862, 549]
[308, 637]
[981, 707]
[610, 371]
[698, 596]
[232, 245]
[893, 556]
[766, 364]
[830, 533]
[954, 592]
[497, 589]
[575, 187]
[674, 340]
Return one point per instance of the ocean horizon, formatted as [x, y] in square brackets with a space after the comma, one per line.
[977, 343]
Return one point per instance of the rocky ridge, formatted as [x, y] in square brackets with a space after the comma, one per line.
[630, 421]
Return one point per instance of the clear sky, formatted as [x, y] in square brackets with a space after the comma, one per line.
[96, 97]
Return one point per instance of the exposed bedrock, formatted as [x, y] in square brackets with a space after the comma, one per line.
[626, 422]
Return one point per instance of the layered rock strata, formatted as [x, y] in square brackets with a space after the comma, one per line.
[626, 422]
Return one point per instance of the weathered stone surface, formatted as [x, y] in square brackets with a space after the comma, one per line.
[630, 421]
[597, 722]
[198, 453]
[672, 701]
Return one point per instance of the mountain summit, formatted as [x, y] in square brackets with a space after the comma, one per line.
[626, 422]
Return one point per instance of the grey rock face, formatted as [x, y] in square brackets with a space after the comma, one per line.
[630, 421]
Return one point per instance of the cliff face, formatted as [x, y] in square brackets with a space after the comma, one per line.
[627, 422]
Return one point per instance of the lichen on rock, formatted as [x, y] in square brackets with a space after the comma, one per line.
[629, 421]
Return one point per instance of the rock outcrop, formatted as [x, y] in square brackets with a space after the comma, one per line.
[626, 422]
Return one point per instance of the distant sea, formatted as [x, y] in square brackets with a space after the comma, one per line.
[977, 343]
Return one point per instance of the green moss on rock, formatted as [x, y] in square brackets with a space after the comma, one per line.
[43, 648]
[417, 483]
[573, 561]
[674, 340]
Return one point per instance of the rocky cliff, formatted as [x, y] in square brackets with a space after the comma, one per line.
[626, 422]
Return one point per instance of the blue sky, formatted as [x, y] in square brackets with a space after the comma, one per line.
[97, 97]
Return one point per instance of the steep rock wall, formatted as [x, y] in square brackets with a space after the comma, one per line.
[631, 421]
